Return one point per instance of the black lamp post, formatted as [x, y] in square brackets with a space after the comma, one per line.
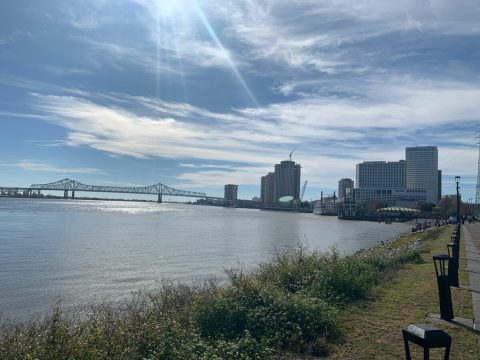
[442, 264]
[457, 180]
[453, 253]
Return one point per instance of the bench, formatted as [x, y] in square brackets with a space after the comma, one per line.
[427, 337]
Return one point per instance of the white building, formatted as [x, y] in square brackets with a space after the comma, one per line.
[422, 170]
[381, 175]
[391, 197]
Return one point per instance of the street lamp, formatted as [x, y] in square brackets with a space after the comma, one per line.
[442, 269]
[457, 180]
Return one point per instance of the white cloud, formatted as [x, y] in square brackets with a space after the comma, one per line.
[331, 134]
[263, 36]
[246, 175]
[35, 166]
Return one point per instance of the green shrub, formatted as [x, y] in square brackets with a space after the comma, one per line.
[245, 347]
[292, 270]
[344, 280]
[288, 305]
[271, 315]
[408, 256]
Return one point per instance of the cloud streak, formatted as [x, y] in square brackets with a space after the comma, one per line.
[35, 166]
[332, 134]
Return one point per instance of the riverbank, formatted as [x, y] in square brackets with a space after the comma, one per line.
[293, 306]
[372, 329]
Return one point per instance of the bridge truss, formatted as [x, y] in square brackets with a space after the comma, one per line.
[157, 189]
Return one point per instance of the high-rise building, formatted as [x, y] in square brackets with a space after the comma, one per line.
[381, 175]
[267, 192]
[287, 180]
[231, 192]
[422, 170]
[343, 185]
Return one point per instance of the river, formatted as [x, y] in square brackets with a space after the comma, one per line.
[82, 252]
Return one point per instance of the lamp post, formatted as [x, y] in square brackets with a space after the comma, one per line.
[459, 221]
[442, 268]
[453, 253]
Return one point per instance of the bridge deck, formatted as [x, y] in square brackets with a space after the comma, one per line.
[73, 185]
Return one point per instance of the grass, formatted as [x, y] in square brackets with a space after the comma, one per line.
[301, 304]
[372, 329]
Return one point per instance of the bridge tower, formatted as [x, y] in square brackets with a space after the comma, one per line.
[65, 194]
[159, 198]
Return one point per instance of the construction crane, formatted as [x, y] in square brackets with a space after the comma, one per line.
[303, 190]
[291, 153]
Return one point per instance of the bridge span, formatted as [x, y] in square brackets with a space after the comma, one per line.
[67, 185]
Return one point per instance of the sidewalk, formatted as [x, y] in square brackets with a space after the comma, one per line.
[471, 236]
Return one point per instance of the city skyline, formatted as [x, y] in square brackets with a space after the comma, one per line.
[198, 94]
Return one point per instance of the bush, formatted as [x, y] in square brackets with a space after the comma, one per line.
[272, 316]
[288, 305]
[344, 280]
[292, 270]
[408, 256]
[244, 348]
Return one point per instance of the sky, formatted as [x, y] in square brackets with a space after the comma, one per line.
[196, 94]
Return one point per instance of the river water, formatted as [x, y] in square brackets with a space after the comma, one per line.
[82, 252]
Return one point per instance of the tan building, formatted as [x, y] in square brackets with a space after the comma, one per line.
[422, 170]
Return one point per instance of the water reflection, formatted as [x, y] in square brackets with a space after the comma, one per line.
[87, 251]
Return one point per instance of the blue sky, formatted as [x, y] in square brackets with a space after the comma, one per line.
[196, 94]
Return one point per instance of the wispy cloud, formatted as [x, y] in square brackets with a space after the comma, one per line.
[341, 81]
[332, 133]
[14, 36]
[65, 71]
[206, 166]
[29, 165]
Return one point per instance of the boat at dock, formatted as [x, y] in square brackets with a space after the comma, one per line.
[327, 206]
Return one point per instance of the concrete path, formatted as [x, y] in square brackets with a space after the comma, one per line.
[471, 236]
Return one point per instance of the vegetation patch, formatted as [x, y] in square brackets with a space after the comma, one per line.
[290, 306]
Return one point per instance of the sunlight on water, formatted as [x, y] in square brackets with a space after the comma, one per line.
[84, 252]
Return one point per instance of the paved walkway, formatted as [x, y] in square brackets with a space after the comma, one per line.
[471, 236]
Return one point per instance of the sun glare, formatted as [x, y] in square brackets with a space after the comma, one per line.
[171, 7]
[171, 15]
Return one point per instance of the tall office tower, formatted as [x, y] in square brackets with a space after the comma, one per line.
[343, 185]
[381, 175]
[287, 180]
[231, 192]
[267, 192]
[422, 170]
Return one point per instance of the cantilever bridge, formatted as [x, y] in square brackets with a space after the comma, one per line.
[67, 185]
